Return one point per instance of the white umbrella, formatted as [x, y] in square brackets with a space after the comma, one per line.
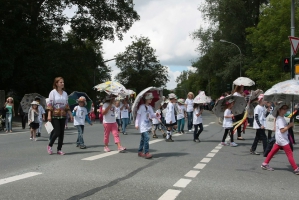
[237, 109]
[156, 102]
[286, 91]
[201, 98]
[111, 87]
[244, 81]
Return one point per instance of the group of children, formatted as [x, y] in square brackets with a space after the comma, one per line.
[281, 128]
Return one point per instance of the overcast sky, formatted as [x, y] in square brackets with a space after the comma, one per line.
[168, 24]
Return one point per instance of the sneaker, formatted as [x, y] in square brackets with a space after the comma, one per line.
[190, 130]
[125, 133]
[60, 153]
[179, 133]
[31, 138]
[155, 136]
[183, 132]
[267, 167]
[35, 139]
[224, 144]
[233, 144]
[196, 140]
[106, 149]
[141, 154]
[164, 135]
[148, 155]
[78, 145]
[254, 153]
[296, 171]
[49, 149]
[121, 149]
[82, 146]
[169, 140]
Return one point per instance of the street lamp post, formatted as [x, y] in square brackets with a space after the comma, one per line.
[239, 51]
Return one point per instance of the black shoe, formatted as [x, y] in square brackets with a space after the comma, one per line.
[78, 145]
[254, 153]
[38, 135]
[183, 132]
[82, 147]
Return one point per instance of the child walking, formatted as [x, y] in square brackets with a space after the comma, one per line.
[33, 120]
[124, 114]
[170, 117]
[156, 124]
[197, 120]
[181, 115]
[109, 123]
[80, 114]
[117, 115]
[259, 124]
[228, 124]
[282, 139]
[143, 123]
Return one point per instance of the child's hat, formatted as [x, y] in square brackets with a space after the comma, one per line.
[230, 101]
[34, 103]
[171, 96]
[148, 95]
[261, 96]
[82, 99]
[181, 101]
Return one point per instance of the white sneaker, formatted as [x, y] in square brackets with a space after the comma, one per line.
[233, 144]
[190, 130]
[224, 144]
[31, 138]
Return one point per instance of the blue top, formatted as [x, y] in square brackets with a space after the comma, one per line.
[9, 109]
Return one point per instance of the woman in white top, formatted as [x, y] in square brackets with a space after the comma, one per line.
[58, 108]
[189, 110]
[282, 139]
[239, 92]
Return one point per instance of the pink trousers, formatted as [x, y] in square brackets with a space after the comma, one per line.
[110, 127]
[287, 149]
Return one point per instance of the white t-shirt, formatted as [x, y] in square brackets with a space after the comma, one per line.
[79, 118]
[281, 138]
[146, 113]
[155, 121]
[58, 101]
[261, 111]
[125, 112]
[189, 103]
[109, 118]
[181, 112]
[197, 120]
[237, 94]
[227, 122]
[170, 114]
[117, 112]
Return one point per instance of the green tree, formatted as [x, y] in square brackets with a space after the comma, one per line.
[140, 67]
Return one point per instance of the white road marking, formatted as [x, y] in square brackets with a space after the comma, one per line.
[218, 147]
[211, 155]
[192, 173]
[154, 141]
[182, 183]
[175, 135]
[170, 195]
[102, 155]
[205, 125]
[18, 177]
[199, 166]
[214, 151]
[212, 122]
[206, 160]
[14, 133]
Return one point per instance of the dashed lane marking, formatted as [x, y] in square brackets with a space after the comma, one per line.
[212, 123]
[218, 147]
[199, 166]
[205, 125]
[192, 173]
[170, 194]
[210, 155]
[215, 151]
[206, 160]
[18, 177]
[182, 183]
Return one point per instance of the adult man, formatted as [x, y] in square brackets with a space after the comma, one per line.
[23, 115]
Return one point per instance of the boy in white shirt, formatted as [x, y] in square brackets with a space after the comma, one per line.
[259, 125]
[170, 117]
[80, 114]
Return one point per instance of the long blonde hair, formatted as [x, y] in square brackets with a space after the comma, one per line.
[190, 93]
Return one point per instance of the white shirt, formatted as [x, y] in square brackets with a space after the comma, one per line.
[281, 138]
[197, 120]
[227, 122]
[181, 112]
[189, 103]
[109, 118]
[155, 121]
[170, 117]
[261, 112]
[237, 94]
[58, 101]
[146, 113]
[117, 112]
[125, 112]
[79, 118]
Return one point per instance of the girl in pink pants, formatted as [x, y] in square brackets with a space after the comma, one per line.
[281, 137]
[110, 125]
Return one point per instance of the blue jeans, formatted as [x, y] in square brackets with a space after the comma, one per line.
[80, 140]
[118, 121]
[125, 122]
[130, 115]
[144, 142]
[8, 120]
[190, 120]
[181, 124]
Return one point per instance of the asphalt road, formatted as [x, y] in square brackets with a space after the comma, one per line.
[179, 170]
